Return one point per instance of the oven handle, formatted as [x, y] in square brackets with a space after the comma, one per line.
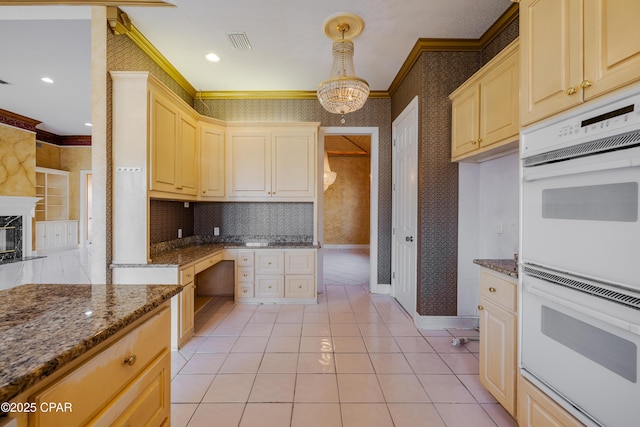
[531, 288]
[615, 164]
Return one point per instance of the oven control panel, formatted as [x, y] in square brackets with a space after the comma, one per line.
[614, 116]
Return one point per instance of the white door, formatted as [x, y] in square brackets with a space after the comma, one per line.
[405, 207]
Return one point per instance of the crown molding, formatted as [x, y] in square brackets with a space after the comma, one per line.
[453, 45]
[272, 94]
[16, 120]
[63, 140]
[88, 2]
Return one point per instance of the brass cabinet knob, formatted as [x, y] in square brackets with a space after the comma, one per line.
[269, 287]
[479, 140]
[585, 84]
[572, 91]
[131, 360]
[480, 307]
[299, 286]
[269, 263]
[245, 274]
[244, 291]
[474, 142]
[492, 289]
[245, 258]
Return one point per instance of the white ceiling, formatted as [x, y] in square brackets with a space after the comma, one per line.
[289, 48]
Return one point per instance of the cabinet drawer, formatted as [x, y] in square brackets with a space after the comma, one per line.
[300, 286]
[99, 380]
[145, 401]
[245, 274]
[498, 290]
[269, 262]
[208, 262]
[245, 258]
[269, 287]
[186, 275]
[300, 262]
[244, 290]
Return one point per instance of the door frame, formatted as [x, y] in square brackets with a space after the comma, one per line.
[410, 109]
[83, 241]
[373, 132]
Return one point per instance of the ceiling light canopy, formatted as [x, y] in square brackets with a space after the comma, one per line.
[343, 92]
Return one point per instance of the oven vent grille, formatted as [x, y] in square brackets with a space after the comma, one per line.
[626, 140]
[588, 288]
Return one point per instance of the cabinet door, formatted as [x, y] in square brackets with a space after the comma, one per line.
[211, 161]
[250, 163]
[497, 353]
[186, 153]
[551, 57]
[163, 128]
[269, 286]
[72, 233]
[41, 236]
[300, 286]
[293, 173]
[187, 297]
[465, 121]
[499, 102]
[611, 45]
[269, 262]
[536, 409]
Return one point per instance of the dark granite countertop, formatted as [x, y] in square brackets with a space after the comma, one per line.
[188, 254]
[43, 327]
[504, 266]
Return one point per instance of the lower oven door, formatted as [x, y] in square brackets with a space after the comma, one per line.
[582, 216]
[582, 350]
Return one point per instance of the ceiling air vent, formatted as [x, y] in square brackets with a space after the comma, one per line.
[239, 41]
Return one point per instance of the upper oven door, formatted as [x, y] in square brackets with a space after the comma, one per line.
[582, 216]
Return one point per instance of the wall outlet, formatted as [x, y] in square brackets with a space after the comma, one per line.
[179, 233]
[216, 231]
[186, 204]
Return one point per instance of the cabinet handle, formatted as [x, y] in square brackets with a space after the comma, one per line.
[492, 289]
[244, 291]
[269, 263]
[479, 140]
[245, 259]
[269, 287]
[480, 307]
[299, 286]
[131, 360]
[474, 142]
[245, 275]
[572, 91]
[585, 84]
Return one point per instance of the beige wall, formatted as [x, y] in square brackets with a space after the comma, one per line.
[17, 162]
[47, 155]
[346, 202]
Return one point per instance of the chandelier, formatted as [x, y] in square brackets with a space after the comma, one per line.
[329, 175]
[343, 92]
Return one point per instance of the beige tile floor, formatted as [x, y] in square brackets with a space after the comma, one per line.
[354, 359]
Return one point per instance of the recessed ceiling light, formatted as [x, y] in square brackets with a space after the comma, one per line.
[88, 124]
[212, 57]
[47, 80]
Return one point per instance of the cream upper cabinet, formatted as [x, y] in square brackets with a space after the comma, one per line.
[498, 301]
[212, 167]
[276, 162]
[172, 146]
[485, 109]
[573, 51]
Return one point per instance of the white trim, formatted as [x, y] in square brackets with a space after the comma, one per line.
[445, 322]
[82, 223]
[374, 287]
[363, 246]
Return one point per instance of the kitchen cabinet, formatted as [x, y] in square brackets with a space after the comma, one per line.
[182, 309]
[272, 162]
[172, 146]
[126, 382]
[498, 320]
[211, 156]
[573, 51]
[269, 275]
[536, 409]
[485, 109]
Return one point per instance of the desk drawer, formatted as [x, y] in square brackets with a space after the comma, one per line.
[208, 262]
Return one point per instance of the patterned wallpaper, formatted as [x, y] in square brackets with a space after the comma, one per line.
[166, 217]
[375, 113]
[17, 162]
[434, 76]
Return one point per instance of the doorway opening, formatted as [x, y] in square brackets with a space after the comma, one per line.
[348, 209]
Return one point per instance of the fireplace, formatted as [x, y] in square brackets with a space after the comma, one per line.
[16, 217]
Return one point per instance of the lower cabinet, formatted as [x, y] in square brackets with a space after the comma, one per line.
[56, 235]
[127, 383]
[270, 275]
[536, 409]
[182, 309]
[498, 319]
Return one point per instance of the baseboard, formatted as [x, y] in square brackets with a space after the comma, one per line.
[363, 246]
[381, 288]
[445, 322]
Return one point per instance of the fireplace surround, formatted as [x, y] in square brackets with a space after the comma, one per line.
[16, 229]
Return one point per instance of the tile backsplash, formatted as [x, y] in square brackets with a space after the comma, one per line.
[166, 217]
[272, 221]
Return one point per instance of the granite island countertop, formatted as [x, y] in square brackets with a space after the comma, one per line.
[504, 266]
[43, 327]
